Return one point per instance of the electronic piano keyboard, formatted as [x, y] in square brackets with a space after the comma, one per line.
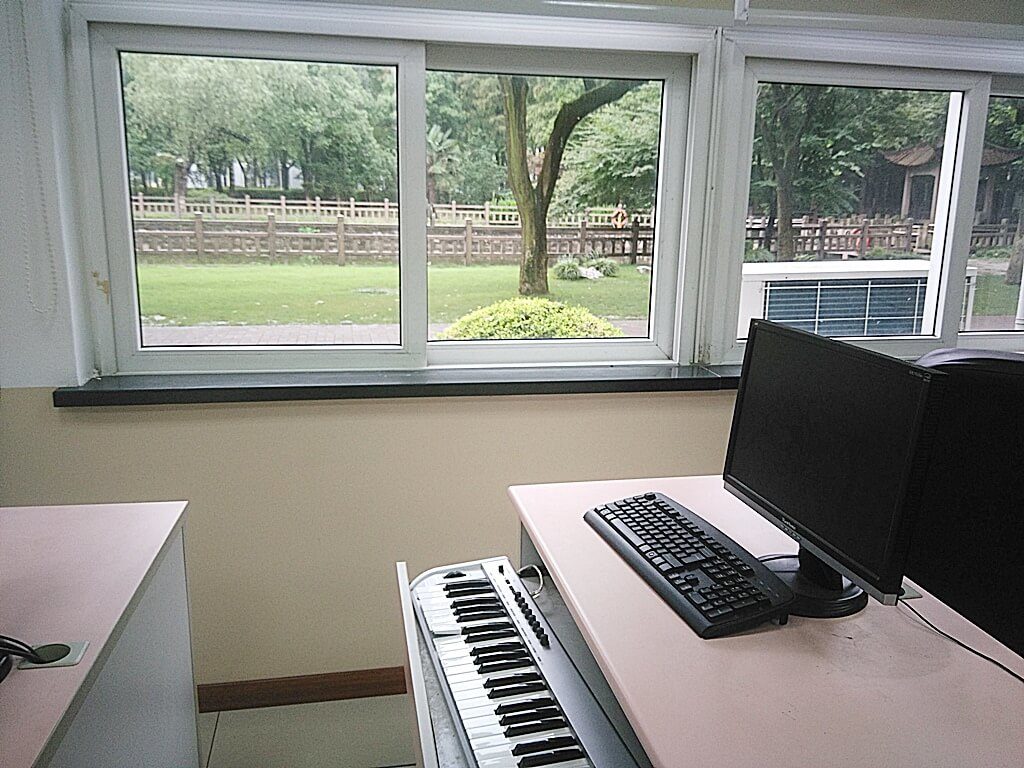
[515, 695]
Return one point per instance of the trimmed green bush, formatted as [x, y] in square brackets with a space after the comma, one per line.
[530, 318]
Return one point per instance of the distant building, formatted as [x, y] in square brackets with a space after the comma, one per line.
[921, 164]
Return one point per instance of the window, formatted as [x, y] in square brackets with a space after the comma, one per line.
[996, 303]
[851, 223]
[563, 208]
[846, 184]
[284, 201]
[395, 189]
[243, 175]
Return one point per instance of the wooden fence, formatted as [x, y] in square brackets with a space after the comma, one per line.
[357, 211]
[851, 237]
[340, 242]
[199, 238]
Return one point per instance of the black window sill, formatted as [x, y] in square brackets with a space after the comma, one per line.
[175, 389]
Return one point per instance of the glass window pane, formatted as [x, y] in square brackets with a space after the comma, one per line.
[262, 200]
[541, 194]
[844, 192]
[997, 243]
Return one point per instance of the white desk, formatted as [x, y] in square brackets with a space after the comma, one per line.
[112, 575]
[874, 689]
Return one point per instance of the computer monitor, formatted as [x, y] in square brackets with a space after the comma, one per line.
[830, 443]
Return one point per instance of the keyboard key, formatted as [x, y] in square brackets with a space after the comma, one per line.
[520, 706]
[547, 724]
[551, 758]
[544, 745]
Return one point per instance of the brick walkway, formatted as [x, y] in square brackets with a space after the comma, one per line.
[271, 335]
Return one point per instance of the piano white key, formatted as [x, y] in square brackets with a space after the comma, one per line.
[480, 742]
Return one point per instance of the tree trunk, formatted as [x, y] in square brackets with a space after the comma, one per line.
[1014, 269]
[786, 250]
[533, 267]
[180, 178]
[533, 201]
[285, 173]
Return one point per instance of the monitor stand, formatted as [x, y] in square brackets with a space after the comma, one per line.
[821, 591]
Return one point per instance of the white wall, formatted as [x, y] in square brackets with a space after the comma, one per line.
[44, 333]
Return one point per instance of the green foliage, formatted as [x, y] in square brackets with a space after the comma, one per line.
[604, 265]
[530, 318]
[878, 253]
[201, 115]
[568, 267]
[997, 252]
[821, 141]
[260, 193]
[753, 255]
[612, 158]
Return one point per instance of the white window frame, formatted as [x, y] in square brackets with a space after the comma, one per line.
[1009, 340]
[660, 345]
[751, 58]
[681, 56]
[118, 333]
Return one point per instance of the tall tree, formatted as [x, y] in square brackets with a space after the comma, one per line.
[533, 198]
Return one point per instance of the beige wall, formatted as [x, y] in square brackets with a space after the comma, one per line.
[299, 510]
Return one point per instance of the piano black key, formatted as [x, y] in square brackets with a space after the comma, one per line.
[547, 724]
[485, 649]
[515, 690]
[520, 706]
[455, 586]
[462, 618]
[544, 745]
[521, 677]
[483, 637]
[493, 626]
[551, 758]
[502, 656]
[527, 717]
[499, 666]
[469, 602]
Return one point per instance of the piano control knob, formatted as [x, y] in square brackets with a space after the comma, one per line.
[544, 639]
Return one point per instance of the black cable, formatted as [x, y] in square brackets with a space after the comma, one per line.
[15, 641]
[962, 644]
[14, 647]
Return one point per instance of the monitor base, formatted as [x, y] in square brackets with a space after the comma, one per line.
[820, 593]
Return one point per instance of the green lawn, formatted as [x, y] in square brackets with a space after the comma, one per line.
[993, 296]
[253, 294]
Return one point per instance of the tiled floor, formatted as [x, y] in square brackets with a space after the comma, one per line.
[358, 733]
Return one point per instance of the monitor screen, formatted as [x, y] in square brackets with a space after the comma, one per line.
[827, 442]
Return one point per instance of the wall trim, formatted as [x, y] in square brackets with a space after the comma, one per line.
[301, 689]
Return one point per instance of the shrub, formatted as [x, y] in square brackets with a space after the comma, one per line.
[567, 268]
[996, 252]
[753, 255]
[604, 265]
[530, 318]
[883, 254]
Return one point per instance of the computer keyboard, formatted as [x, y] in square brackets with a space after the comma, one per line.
[715, 585]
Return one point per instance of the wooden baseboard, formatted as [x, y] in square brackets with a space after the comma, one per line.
[303, 689]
